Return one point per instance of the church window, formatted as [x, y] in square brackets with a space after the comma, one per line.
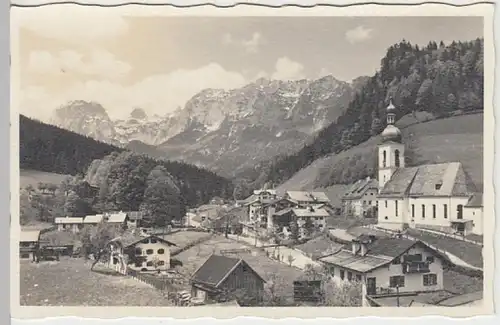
[434, 211]
[396, 207]
[386, 203]
[384, 159]
[396, 157]
[445, 210]
[460, 211]
[413, 210]
[423, 211]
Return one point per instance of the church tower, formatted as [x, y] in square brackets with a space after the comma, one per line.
[391, 152]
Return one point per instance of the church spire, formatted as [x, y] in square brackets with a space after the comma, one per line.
[391, 132]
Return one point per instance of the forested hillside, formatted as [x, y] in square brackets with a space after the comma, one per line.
[125, 181]
[49, 148]
[438, 79]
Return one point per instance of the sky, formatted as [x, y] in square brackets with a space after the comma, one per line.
[158, 63]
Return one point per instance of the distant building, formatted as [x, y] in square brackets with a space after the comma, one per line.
[223, 278]
[387, 266]
[93, 220]
[305, 198]
[317, 218]
[360, 200]
[74, 224]
[148, 254]
[29, 243]
[116, 218]
[134, 218]
[432, 196]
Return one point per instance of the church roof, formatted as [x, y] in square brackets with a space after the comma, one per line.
[446, 179]
[475, 201]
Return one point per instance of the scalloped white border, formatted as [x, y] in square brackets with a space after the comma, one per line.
[194, 314]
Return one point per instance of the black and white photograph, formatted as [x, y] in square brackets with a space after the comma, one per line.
[261, 160]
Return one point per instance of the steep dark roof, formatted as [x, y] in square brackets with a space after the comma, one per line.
[215, 269]
[130, 239]
[391, 247]
[359, 188]
[446, 179]
[475, 201]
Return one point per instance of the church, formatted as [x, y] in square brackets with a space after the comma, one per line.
[439, 197]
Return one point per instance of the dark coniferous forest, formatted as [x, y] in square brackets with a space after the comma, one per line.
[123, 177]
[438, 79]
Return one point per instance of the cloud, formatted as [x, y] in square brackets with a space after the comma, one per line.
[358, 34]
[98, 63]
[251, 45]
[71, 23]
[286, 69]
[156, 94]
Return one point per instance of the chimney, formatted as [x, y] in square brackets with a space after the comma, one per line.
[364, 248]
[355, 247]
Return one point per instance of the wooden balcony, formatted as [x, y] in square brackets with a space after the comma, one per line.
[415, 267]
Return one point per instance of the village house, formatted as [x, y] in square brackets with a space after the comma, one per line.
[150, 254]
[93, 220]
[360, 200]
[134, 218]
[74, 224]
[386, 266]
[29, 242]
[305, 217]
[430, 196]
[304, 198]
[269, 210]
[116, 218]
[223, 278]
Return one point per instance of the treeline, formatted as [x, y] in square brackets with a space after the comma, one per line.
[52, 149]
[438, 79]
[124, 180]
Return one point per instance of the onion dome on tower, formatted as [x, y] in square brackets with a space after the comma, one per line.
[391, 132]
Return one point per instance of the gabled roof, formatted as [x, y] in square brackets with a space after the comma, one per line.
[276, 201]
[258, 192]
[130, 239]
[68, 220]
[475, 201]
[306, 212]
[359, 188]
[29, 236]
[446, 179]
[135, 215]
[93, 219]
[379, 253]
[303, 196]
[216, 269]
[117, 217]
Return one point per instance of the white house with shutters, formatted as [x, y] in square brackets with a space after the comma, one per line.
[431, 196]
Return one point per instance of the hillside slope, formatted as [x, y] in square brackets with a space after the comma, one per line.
[458, 138]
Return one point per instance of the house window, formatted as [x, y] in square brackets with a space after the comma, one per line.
[429, 259]
[364, 202]
[138, 264]
[149, 251]
[342, 274]
[430, 279]
[423, 211]
[349, 276]
[138, 251]
[434, 211]
[153, 241]
[413, 211]
[445, 210]
[397, 281]
[161, 251]
[145, 241]
[386, 203]
[396, 261]
[149, 263]
[370, 202]
[396, 157]
[438, 186]
[384, 159]
[460, 211]
[358, 277]
[161, 263]
[396, 207]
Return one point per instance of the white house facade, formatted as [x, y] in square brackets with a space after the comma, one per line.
[360, 200]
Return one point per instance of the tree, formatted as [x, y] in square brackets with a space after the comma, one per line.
[290, 259]
[162, 198]
[309, 227]
[294, 231]
[95, 241]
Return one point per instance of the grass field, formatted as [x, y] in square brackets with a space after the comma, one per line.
[458, 138]
[33, 177]
[71, 283]
[270, 270]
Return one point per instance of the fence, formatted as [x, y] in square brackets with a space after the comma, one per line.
[162, 284]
